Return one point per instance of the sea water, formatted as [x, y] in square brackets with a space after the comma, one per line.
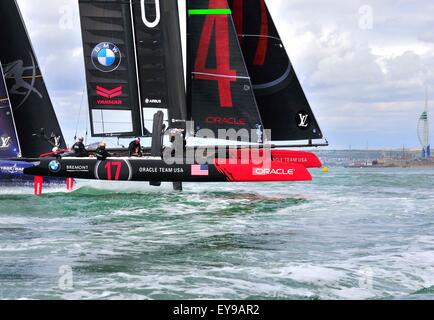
[349, 234]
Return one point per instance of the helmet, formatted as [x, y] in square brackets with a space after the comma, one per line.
[81, 139]
[138, 139]
[103, 144]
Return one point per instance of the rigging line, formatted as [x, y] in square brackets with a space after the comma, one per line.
[79, 115]
[24, 77]
[220, 75]
[259, 36]
[87, 126]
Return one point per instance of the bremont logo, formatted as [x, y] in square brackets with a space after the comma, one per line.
[77, 168]
[5, 142]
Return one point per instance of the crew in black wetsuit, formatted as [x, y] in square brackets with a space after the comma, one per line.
[135, 148]
[79, 149]
[101, 153]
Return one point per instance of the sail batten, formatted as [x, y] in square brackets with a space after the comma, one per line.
[282, 102]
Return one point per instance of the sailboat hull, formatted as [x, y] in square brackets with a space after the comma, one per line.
[12, 172]
[153, 170]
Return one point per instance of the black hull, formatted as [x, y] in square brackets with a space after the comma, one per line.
[156, 170]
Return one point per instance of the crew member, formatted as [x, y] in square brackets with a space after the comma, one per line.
[79, 149]
[101, 152]
[135, 148]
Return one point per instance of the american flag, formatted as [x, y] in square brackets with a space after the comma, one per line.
[201, 170]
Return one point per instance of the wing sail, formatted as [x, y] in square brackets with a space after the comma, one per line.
[282, 102]
[132, 71]
[31, 104]
[219, 90]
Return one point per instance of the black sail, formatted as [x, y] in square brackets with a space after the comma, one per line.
[9, 145]
[109, 53]
[134, 66]
[159, 56]
[282, 102]
[31, 104]
[219, 90]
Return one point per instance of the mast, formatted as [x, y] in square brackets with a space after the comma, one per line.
[427, 112]
[29, 99]
[159, 53]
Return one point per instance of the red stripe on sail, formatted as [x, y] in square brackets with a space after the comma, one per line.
[238, 15]
[261, 52]
[222, 74]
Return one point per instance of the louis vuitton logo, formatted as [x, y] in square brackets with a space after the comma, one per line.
[5, 142]
[304, 123]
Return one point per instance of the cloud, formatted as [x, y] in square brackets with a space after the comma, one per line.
[363, 64]
[365, 84]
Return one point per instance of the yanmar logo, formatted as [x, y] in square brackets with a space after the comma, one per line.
[109, 94]
[273, 172]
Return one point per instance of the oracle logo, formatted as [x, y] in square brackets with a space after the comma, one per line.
[276, 172]
[226, 120]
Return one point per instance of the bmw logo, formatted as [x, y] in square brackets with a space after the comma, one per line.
[106, 57]
[54, 166]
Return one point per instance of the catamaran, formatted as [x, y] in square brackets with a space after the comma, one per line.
[239, 79]
[25, 106]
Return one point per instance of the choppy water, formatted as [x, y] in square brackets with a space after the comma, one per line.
[350, 234]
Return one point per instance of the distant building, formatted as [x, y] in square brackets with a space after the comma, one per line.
[423, 130]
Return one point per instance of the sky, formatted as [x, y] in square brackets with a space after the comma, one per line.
[364, 65]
